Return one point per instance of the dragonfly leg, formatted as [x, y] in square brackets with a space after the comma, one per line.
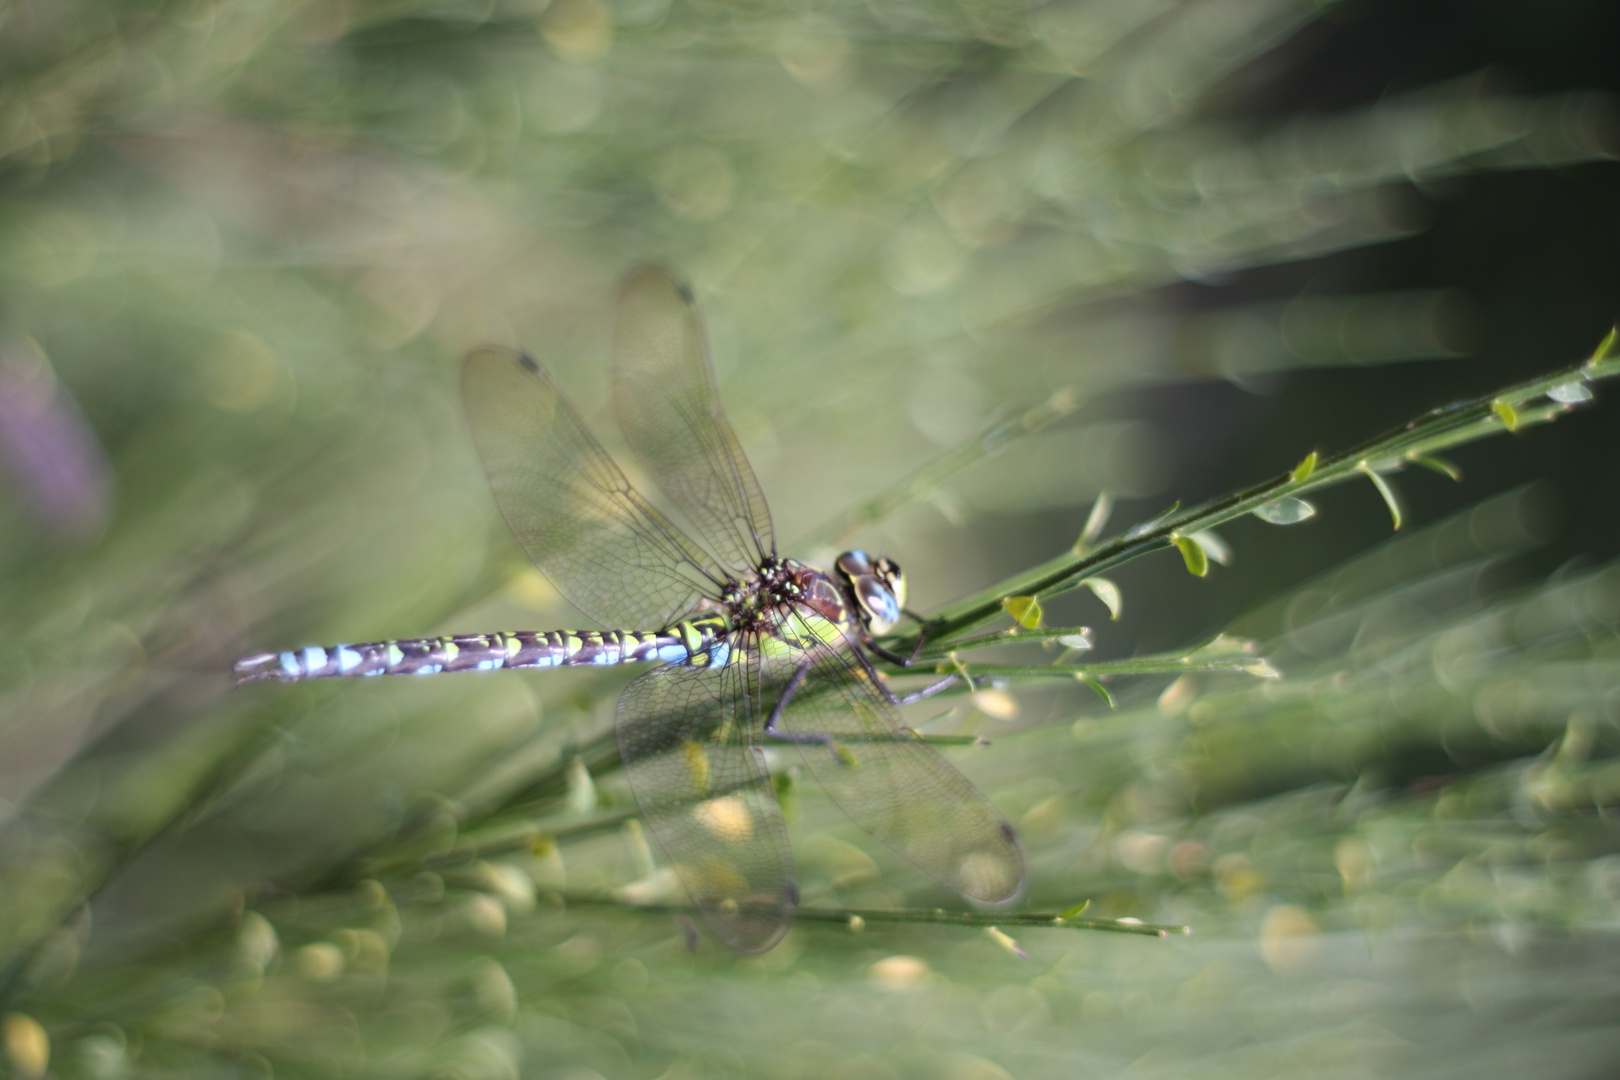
[928, 691]
[788, 691]
[916, 650]
[894, 657]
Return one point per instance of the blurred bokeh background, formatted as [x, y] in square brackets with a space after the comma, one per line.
[243, 245]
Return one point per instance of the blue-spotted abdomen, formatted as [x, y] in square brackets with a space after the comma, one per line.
[490, 652]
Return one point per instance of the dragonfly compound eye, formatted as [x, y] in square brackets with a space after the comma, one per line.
[891, 574]
[880, 609]
[854, 564]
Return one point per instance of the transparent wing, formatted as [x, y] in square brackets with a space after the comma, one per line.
[669, 411]
[891, 783]
[688, 737]
[613, 556]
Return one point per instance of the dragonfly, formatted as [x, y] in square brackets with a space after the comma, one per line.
[756, 654]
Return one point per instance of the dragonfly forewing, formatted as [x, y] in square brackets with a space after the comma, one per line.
[612, 555]
[669, 410]
[891, 783]
[689, 739]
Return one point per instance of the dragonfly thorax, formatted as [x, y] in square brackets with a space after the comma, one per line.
[760, 603]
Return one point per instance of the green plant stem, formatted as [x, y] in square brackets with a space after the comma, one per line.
[1438, 429]
[921, 916]
[1144, 666]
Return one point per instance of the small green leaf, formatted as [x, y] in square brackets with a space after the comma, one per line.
[1166, 512]
[1606, 349]
[1508, 415]
[1025, 611]
[1096, 522]
[1102, 691]
[1214, 546]
[1006, 941]
[1302, 471]
[1108, 593]
[1077, 910]
[785, 782]
[1224, 645]
[582, 797]
[1438, 464]
[1287, 510]
[1385, 490]
[1262, 669]
[1078, 642]
[1571, 393]
[1153, 522]
[1192, 554]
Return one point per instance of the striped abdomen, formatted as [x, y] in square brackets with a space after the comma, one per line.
[701, 638]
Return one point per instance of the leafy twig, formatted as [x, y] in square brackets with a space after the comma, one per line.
[1414, 442]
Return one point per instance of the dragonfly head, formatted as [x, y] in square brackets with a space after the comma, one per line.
[876, 589]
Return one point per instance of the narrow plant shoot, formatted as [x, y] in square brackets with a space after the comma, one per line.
[1529, 403]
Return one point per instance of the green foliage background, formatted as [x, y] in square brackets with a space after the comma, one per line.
[243, 245]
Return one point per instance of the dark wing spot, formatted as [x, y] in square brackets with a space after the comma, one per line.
[686, 292]
[528, 361]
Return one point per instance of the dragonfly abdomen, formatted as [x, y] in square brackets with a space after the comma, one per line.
[491, 652]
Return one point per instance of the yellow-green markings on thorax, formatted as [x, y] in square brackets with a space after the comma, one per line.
[800, 630]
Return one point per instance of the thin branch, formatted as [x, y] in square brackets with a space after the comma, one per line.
[1438, 429]
[857, 917]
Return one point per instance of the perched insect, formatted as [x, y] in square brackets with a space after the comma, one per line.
[752, 648]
